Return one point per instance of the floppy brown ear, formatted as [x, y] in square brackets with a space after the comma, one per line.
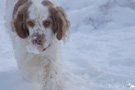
[60, 22]
[19, 18]
[20, 26]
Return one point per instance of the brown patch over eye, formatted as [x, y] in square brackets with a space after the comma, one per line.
[46, 23]
[30, 23]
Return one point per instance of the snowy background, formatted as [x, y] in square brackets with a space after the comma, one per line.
[100, 54]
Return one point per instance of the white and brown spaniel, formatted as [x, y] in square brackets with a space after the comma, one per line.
[36, 28]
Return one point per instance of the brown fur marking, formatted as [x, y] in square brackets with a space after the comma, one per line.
[59, 18]
[20, 21]
[60, 22]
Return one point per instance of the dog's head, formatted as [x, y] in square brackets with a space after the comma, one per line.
[39, 21]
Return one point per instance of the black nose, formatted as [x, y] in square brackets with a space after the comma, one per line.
[38, 40]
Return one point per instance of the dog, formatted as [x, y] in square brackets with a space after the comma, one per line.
[36, 28]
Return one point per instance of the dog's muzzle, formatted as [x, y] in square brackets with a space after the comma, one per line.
[38, 40]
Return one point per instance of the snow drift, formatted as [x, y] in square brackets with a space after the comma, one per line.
[100, 54]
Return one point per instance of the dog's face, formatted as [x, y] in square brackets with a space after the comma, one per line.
[39, 22]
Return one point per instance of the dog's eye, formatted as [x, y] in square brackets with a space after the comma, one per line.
[30, 23]
[46, 24]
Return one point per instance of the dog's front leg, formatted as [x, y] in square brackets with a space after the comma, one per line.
[51, 77]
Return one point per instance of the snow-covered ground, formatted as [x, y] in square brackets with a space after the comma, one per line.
[100, 54]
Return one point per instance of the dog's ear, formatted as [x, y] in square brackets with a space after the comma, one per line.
[60, 22]
[19, 18]
[20, 26]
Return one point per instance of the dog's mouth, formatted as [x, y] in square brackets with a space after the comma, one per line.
[36, 49]
[42, 49]
[36, 45]
[38, 41]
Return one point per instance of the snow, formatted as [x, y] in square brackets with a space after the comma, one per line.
[100, 54]
[131, 86]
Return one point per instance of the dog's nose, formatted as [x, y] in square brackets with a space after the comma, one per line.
[38, 40]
